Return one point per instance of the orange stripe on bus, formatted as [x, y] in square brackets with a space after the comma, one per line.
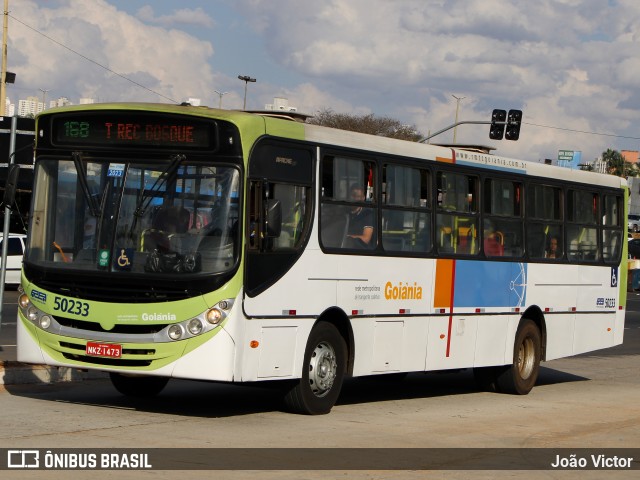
[445, 160]
[444, 280]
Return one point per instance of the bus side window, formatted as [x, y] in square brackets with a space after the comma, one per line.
[348, 213]
[405, 214]
[545, 205]
[457, 220]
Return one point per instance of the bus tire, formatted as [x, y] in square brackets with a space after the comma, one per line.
[135, 386]
[325, 361]
[520, 377]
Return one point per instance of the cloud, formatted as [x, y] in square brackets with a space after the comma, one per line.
[183, 16]
[567, 63]
[88, 54]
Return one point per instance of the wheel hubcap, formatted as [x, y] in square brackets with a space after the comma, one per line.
[526, 358]
[323, 369]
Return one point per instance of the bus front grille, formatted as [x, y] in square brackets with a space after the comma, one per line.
[113, 362]
[146, 356]
[147, 328]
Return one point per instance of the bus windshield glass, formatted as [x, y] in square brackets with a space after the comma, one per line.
[168, 217]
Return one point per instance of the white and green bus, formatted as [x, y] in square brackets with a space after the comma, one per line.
[187, 242]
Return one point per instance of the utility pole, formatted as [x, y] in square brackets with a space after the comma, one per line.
[456, 122]
[3, 80]
[44, 98]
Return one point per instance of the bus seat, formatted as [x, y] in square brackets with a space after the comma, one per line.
[493, 245]
[466, 239]
[333, 228]
[574, 251]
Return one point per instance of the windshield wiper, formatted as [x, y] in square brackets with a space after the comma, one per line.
[82, 178]
[166, 174]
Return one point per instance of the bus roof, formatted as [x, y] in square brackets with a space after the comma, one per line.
[366, 142]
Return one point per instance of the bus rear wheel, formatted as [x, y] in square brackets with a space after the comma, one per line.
[135, 386]
[324, 366]
[520, 377]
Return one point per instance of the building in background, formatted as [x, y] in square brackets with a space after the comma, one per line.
[60, 102]
[630, 156]
[634, 195]
[280, 104]
[30, 107]
[10, 108]
[599, 165]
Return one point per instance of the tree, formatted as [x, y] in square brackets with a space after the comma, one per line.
[382, 126]
[617, 165]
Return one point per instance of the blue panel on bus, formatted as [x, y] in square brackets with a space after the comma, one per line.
[490, 284]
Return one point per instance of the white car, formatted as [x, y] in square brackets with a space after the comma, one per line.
[15, 251]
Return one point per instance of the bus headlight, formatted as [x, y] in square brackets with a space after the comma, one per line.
[202, 324]
[45, 322]
[194, 326]
[219, 312]
[175, 332]
[32, 313]
[214, 316]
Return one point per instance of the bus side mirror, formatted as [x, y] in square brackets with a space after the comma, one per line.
[273, 226]
[11, 185]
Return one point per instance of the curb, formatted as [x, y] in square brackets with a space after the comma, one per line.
[16, 373]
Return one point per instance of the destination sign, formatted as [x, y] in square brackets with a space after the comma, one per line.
[131, 129]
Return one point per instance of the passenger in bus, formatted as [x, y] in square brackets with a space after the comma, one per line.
[360, 230]
[552, 251]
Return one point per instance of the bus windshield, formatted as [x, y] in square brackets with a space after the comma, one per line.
[156, 217]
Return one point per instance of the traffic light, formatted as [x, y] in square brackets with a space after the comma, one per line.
[498, 117]
[514, 120]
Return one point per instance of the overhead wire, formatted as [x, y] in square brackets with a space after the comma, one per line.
[583, 131]
[124, 77]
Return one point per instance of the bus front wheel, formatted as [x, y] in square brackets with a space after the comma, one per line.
[520, 377]
[135, 386]
[325, 360]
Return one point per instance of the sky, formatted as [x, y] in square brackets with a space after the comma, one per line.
[571, 66]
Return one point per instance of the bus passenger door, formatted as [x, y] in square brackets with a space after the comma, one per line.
[278, 221]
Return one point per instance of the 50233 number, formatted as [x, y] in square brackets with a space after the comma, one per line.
[69, 305]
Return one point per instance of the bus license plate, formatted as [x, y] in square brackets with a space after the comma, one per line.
[104, 350]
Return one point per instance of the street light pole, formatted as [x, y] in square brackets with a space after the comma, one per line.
[44, 98]
[457, 108]
[220, 94]
[246, 79]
